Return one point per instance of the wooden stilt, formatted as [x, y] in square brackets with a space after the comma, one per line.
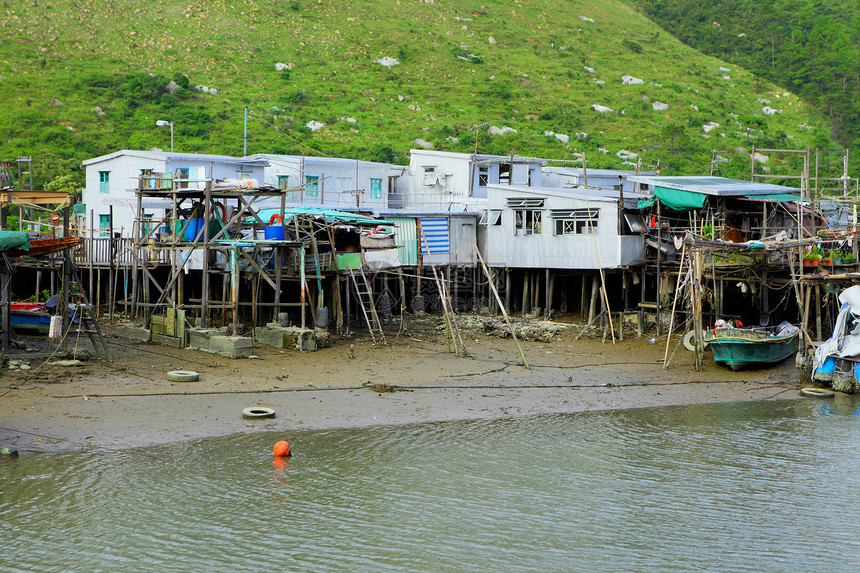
[550, 279]
[507, 288]
[592, 306]
[583, 300]
[818, 312]
[525, 307]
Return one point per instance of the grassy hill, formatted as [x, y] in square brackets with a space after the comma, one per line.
[79, 78]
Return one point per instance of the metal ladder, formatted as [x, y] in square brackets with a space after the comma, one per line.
[88, 323]
[365, 299]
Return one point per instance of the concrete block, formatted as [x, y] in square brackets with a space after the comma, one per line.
[286, 337]
[133, 332]
[198, 338]
[231, 346]
[173, 341]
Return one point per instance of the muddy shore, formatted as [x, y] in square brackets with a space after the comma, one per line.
[130, 403]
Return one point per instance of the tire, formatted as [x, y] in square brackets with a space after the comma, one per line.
[817, 393]
[257, 413]
[690, 342]
[183, 376]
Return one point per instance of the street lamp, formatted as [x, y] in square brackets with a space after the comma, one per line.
[165, 123]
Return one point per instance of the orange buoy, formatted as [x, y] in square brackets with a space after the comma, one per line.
[282, 449]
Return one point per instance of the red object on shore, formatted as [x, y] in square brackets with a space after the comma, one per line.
[282, 449]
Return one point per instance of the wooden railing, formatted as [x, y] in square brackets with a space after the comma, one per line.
[100, 252]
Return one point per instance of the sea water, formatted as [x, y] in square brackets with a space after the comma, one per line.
[770, 486]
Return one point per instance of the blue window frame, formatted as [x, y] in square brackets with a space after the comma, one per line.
[104, 181]
[376, 188]
[312, 185]
[104, 225]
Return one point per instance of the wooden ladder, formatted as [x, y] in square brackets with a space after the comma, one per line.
[365, 299]
[83, 311]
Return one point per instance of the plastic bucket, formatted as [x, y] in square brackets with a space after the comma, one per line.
[273, 232]
[321, 317]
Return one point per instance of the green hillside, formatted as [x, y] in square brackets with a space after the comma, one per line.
[811, 47]
[83, 78]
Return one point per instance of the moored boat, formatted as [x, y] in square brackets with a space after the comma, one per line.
[40, 247]
[740, 348]
[29, 316]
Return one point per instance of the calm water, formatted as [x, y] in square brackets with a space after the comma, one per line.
[735, 487]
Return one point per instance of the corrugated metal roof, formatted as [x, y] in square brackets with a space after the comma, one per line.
[718, 186]
[170, 156]
[578, 171]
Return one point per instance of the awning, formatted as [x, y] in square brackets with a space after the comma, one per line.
[675, 199]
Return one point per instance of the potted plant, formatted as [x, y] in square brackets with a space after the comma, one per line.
[811, 259]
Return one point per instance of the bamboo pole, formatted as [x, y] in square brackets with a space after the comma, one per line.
[697, 308]
[502, 307]
[447, 308]
[603, 279]
[674, 304]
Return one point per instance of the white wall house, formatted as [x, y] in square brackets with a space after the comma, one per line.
[111, 181]
[333, 182]
[447, 181]
[527, 227]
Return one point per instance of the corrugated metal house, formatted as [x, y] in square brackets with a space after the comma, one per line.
[547, 228]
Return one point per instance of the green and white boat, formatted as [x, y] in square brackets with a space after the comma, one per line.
[740, 348]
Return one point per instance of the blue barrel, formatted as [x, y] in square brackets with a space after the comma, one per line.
[273, 232]
[194, 226]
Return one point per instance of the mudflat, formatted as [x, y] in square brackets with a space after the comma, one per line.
[130, 403]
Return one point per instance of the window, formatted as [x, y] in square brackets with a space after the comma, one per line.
[504, 173]
[491, 217]
[243, 175]
[430, 176]
[527, 203]
[376, 188]
[283, 181]
[104, 181]
[483, 175]
[527, 222]
[576, 221]
[312, 185]
[104, 225]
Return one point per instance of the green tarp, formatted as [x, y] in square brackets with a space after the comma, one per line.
[674, 199]
[678, 200]
[14, 240]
